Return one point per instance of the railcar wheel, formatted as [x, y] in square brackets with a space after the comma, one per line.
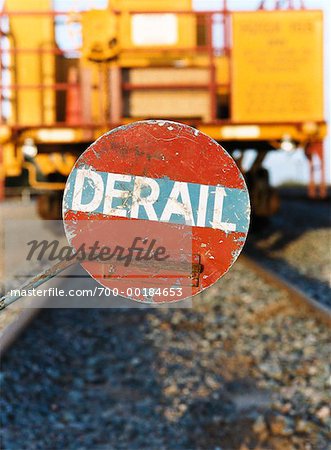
[264, 198]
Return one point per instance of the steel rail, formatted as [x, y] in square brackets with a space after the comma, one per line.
[297, 296]
[24, 316]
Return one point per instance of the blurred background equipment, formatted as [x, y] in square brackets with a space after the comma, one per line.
[249, 79]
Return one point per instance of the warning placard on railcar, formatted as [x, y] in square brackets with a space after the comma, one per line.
[277, 70]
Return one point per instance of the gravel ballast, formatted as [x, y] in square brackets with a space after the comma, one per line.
[243, 369]
[296, 244]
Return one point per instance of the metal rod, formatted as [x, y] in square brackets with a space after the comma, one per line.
[55, 86]
[172, 11]
[36, 281]
[55, 51]
[39, 13]
[212, 69]
[180, 268]
[226, 40]
[131, 86]
[96, 125]
[198, 48]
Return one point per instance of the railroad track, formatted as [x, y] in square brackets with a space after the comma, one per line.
[16, 319]
[24, 316]
[296, 295]
[242, 366]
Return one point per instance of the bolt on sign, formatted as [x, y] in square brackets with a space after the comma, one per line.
[164, 205]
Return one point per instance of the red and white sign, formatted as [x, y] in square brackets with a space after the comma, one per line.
[165, 198]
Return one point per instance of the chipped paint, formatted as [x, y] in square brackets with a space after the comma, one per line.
[162, 200]
[211, 204]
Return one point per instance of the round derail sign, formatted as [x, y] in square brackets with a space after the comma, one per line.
[156, 211]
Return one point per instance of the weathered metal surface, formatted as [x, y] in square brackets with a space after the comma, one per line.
[36, 281]
[162, 180]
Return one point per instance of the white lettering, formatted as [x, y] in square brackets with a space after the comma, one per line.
[218, 212]
[112, 193]
[146, 201]
[174, 206]
[95, 182]
[140, 198]
[202, 208]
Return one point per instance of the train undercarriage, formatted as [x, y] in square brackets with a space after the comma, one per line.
[46, 175]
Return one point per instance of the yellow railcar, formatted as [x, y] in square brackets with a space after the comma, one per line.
[249, 79]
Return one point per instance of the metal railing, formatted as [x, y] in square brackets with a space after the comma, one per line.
[206, 19]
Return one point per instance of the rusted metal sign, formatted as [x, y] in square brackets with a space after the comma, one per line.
[157, 188]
